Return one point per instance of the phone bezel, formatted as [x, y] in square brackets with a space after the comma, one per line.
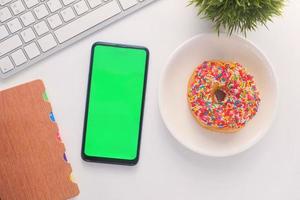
[105, 159]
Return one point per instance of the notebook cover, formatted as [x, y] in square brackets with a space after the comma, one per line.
[33, 164]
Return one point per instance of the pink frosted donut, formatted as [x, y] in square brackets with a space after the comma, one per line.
[222, 96]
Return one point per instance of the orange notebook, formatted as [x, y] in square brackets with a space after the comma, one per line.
[33, 165]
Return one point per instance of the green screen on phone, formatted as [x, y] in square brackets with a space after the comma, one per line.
[115, 102]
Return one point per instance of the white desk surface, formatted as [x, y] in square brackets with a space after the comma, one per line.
[269, 170]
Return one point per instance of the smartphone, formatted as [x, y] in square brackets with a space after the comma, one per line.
[115, 103]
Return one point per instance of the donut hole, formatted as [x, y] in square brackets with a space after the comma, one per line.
[219, 95]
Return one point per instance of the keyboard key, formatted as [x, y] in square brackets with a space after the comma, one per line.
[94, 3]
[54, 21]
[10, 44]
[5, 14]
[80, 7]
[87, 21]
[32, 50]
[17, 7]
[41, 11]
[27, 18]
[3, 2]
[54, 5]
[3, 32]
[28, 35]
[6, 65]
[68, 14]
[14, 25]
[127, 3]
[31, 3]
[67, 2]
[19, 57]
[47, 42]
[41, 28]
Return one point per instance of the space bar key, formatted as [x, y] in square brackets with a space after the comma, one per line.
[87, 21]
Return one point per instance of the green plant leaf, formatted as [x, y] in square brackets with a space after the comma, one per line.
[238, 15]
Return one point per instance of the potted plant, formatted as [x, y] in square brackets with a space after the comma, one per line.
[238, 15]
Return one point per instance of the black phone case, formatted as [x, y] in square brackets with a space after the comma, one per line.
[114, 160]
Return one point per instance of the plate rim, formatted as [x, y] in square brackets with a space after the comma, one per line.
[255, 140]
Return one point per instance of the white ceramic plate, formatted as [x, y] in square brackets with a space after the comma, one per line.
[173, 88]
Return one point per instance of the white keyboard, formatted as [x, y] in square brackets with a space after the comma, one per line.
[31, 30]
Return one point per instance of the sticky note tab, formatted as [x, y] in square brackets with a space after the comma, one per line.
[52, 118]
